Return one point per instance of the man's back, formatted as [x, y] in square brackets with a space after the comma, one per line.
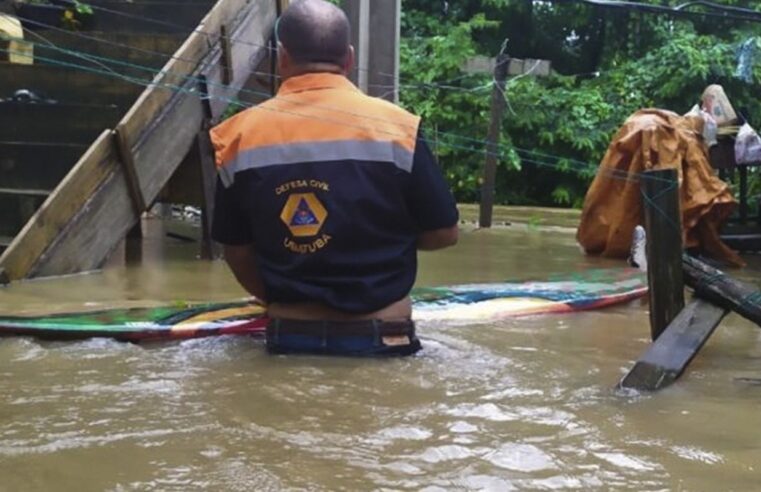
[324, 196]
[326, 177]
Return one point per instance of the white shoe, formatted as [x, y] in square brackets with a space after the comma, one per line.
[638, 256]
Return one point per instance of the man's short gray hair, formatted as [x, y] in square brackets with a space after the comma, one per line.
[315, 31]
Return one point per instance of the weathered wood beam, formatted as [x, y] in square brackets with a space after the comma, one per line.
[127, 159]
[208, 172]
[97, 212]
[668, 356]
[663, 225]
[716, 286]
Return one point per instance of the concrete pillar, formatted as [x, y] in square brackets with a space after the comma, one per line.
[375, 36]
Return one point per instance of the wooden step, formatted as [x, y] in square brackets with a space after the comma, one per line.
[743, 242]
[55, 123]
[174, 16]
[67, 85]
[5, 241]
[23, 192]
[116, 50]
[36, 165]
[16, 210]
[122, 16]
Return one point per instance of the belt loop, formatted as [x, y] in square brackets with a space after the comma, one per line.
[376, 333]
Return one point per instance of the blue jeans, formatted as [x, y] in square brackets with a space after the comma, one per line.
[366, 338]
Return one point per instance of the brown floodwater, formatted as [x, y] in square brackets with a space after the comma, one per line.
[517, 404]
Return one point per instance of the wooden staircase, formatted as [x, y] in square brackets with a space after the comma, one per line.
[42, 138]
[70, 188]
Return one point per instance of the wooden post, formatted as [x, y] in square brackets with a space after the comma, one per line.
[208, 174]
[227, 56]
[133, 244]
[492, 139]
[663, 225]
[209, 249]
[743, 170]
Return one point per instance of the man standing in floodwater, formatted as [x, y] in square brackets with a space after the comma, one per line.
[324, 197]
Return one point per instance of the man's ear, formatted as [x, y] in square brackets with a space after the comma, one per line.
[284, 61]
[349, 63]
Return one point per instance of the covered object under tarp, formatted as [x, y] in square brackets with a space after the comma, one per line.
[656, 139]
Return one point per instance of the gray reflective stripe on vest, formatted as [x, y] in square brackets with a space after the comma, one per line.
[336, 150]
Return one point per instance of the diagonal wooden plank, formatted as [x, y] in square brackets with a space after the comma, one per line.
[668, 356]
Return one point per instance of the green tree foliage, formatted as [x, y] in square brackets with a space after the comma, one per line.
[607, 64]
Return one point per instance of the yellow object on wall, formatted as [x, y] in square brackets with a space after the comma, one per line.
[19, 51]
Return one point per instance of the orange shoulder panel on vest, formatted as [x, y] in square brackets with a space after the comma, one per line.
[315, 109]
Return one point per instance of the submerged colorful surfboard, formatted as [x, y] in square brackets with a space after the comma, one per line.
[590, 289]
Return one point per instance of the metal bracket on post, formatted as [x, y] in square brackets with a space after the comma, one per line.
[127, 159]
[227, 56]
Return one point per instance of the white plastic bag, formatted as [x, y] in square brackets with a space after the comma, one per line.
[710, 128]
[747, 146]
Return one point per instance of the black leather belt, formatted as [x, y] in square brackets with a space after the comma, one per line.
[371, 327]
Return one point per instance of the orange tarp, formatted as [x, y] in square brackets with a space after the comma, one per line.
[656, 139]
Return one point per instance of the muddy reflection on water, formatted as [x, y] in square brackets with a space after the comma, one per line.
[511, 405]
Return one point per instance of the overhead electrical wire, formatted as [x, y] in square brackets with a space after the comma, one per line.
[443, 85]
[523, 153]
[529, 156]
[714, 10]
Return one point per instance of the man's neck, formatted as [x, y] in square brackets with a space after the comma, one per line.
[313, 68]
